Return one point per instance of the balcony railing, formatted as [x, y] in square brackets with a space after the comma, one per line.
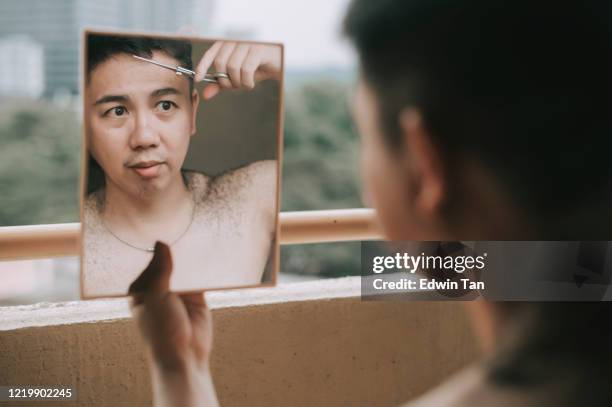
[55, 240]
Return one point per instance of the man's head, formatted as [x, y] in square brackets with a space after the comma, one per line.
[473, 110]
[139, 116]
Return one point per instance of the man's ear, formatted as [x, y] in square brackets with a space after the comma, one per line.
[424, 161]
[195, 102]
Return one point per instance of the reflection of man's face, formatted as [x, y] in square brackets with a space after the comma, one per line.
[139, 121]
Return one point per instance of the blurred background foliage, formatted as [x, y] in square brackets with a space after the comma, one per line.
[320, 171]
[40, 162]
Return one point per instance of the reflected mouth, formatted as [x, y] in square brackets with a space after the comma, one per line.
[147, 169]
[145, 164]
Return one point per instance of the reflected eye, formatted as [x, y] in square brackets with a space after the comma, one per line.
[116, 111]
[166, 105]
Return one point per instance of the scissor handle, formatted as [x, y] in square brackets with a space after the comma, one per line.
[214, 77]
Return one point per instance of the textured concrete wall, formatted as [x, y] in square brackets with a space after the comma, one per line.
[314, 350]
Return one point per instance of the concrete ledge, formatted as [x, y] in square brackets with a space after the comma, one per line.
[302, 344]
[70, 312]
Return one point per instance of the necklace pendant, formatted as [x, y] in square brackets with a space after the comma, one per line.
[150, 249]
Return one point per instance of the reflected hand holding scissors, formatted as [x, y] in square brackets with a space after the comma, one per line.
[244, 65]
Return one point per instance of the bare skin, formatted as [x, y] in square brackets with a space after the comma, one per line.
[231, 232]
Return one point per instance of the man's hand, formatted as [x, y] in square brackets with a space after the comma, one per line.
[245, 64]
[177, 330]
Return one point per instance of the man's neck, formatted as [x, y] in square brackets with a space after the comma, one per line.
[149, 212]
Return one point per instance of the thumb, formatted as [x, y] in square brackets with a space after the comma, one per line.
[154, 281]
[210, 91]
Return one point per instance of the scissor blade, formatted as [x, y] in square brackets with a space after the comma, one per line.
[176, 69]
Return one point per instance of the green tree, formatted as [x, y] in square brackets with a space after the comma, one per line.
[39, 163]
[320, 171]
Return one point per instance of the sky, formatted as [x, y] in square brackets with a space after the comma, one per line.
[310, 30]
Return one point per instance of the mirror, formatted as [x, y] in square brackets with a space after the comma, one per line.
[182, 144]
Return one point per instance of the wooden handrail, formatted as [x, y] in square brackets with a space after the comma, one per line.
[62, 239]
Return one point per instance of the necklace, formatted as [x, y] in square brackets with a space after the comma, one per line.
[151, 249]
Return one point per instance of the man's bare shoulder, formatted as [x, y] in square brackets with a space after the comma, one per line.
[257, 176]
[251, 187]
[198, 183]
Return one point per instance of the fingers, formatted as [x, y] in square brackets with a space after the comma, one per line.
[207, 60]
[154, 281]
[201, 319]
[245, 64]
[196, 308]
[235, 64]
[249, 67]
[220, 63]
[195, 305]
[271, 61]
[210, 91]
[196, 299]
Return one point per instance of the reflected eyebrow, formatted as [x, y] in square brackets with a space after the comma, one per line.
[125, 98]
[165, 91]
[111, 98]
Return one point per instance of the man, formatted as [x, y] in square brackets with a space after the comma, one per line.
[480, 120]
[140, 118]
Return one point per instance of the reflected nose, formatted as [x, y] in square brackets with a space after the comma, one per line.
[144, 135]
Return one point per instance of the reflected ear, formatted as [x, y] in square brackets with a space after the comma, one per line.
[195, 102]
[424, 162]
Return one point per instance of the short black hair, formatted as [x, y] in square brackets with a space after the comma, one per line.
[102, 47]
[522, 85]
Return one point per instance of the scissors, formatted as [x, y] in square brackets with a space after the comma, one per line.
[208, 77]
